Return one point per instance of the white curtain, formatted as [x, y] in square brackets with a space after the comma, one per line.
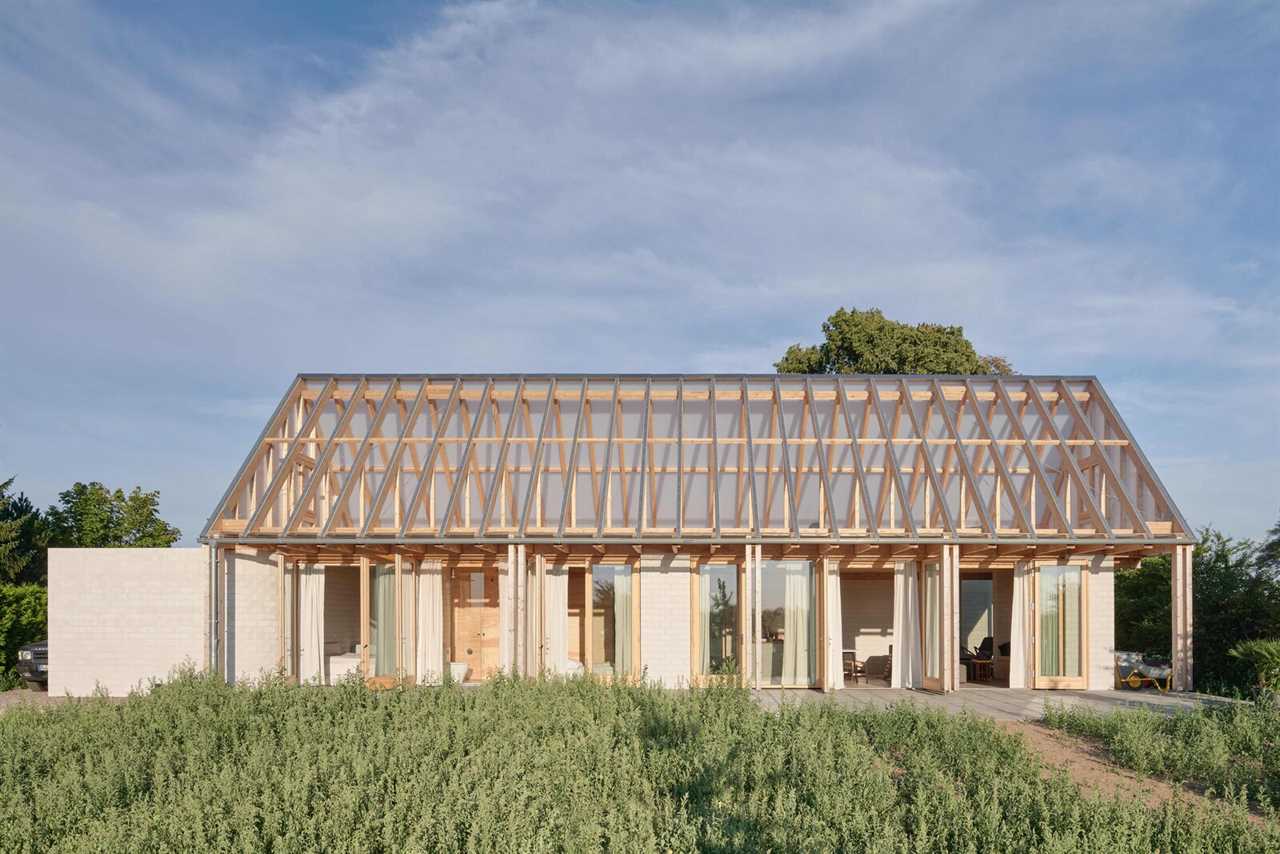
[908, 668]
[797, 638]
[506, 614]
[1019, 628]
[704, 620]
[835, 627]
[556, 620]
[622, 623]
[533, 640]
[429, 659]
[384, 620]
[311, 657]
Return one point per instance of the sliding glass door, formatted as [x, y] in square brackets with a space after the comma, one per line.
[788, 623]
[718, 619]
[1060, 627]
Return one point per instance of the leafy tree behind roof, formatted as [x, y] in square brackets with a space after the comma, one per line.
[867, 342]
[89, 515]
[22, 539]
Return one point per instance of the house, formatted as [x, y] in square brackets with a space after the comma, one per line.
[773, 529]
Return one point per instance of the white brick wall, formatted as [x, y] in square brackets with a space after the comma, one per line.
[120, 617]
[253, 646]
[664, 619]
[1102, 624]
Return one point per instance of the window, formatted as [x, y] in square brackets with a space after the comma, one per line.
[718, 617]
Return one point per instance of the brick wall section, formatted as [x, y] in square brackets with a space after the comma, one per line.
[1102, 624]
[253, 646]
[664, 619]
[121, 617]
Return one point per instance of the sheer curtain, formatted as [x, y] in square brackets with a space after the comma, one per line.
[1019, 628]
[1070, 604]
[798, 634]
[704, 620]
[384, 621]
[908, 668]
[622, 623]
[311, 659]
[429, 659]
[556, 620]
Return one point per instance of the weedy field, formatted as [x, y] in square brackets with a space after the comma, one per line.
[1231, 750]
[549, 765]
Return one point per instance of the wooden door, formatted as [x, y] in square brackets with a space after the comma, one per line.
[1060, 622]
[476, 621]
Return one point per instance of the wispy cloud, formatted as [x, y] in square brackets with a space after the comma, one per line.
[526, 185]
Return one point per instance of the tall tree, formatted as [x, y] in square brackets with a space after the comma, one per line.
[89, 515]
[22, 539]
[867, 342]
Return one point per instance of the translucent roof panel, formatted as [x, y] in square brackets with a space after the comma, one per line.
[419, 458]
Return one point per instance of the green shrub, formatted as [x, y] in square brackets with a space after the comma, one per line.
[549, 765]
[1231, 748]
[24, 617]
[1264, 657]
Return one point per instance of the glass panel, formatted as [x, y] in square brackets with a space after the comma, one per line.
[975, 613]
[718, 606]
[611, 619]
[1058, 598]
[932, 620]
[382, 620]
[788, 625]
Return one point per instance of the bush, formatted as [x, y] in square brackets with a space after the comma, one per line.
[1233, 749]
[1264, 657]
[24, 617]
[548, 765]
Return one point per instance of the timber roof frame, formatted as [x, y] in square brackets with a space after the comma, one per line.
[715, 459]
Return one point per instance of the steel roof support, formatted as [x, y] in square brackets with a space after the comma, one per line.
[786, 460]
[872, 522]
[713, 466]
[535, 461]
[1033, 459]
[833, 523]
[1073, 467]
[428, 465]
[486, 397]
[608, 461]
[1098, 449]
[571, 472]
[998, 460]
[286, 465]
[756, 526]
[492, 498]
[965, 467]
[891, 459]
[642, 511]
[393, 466]
[331, 447]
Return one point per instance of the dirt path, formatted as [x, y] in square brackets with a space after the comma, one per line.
[1089, 766]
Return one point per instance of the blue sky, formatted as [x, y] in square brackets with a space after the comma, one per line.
[198, 203]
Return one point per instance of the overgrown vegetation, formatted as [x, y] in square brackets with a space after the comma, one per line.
[1233, 749]
[553, 765]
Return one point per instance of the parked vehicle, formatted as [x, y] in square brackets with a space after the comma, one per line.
[33, 664]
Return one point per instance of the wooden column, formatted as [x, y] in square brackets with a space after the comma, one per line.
[1180, 571]
[950, 617]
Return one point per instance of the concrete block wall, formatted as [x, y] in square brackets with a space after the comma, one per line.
[121, 617]
[252, 596]
[1102, 624]
[665, 619]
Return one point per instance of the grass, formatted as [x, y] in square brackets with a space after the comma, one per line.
[1232, 750]
[548, 765]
